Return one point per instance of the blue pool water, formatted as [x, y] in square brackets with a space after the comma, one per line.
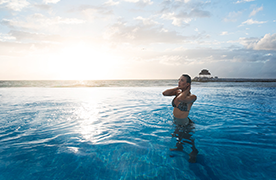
[127, 133]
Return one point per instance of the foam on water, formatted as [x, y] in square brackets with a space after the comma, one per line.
[126, 133]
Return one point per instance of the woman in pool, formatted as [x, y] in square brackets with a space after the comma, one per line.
[182, 104]
[183, 100]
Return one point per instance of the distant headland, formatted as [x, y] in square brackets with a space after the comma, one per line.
[205, 76]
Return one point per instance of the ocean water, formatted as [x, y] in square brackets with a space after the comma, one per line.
[124, 130]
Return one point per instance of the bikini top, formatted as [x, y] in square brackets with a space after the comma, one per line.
[181, 106]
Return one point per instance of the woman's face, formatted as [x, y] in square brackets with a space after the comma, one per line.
[182, 82]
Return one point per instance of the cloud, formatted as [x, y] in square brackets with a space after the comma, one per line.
[147, 21]
[6, 37]
[269, 68]
[222, 61]
[111, 3]
[42, 6]
[173, 60]
[184, 17]
[251, 21]
[244, 1]
[197, 13]
[268, 42]
[15, 5]
[51, 1]
[92, 12]
[224, 33]
[145, 32]
[39, 21]
[140, 2]
[35, 37]
[233, 16]
[176, 19]
[255, 11]
[15, 49]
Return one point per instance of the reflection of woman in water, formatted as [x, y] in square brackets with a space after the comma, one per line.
[183, 135]
[182, 104]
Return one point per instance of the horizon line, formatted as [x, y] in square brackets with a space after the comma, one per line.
[133, 79]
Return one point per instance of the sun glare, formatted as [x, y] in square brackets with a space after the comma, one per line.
[82, 62]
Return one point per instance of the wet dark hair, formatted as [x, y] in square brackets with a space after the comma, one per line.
[188, 78]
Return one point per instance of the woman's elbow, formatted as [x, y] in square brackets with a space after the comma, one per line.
[166, 93]
[194, 98]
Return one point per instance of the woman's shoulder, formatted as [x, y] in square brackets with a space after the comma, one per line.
[193, 96]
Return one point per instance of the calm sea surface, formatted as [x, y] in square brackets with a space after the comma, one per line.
[124, 130]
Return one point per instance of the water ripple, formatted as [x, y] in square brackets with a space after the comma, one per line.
[128, 132]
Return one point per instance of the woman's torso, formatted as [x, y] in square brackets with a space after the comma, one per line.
[181, 109]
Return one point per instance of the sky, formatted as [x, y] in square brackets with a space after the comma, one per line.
[136, 39]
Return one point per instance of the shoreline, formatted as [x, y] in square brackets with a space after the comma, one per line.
[120, 83]
[197, 79]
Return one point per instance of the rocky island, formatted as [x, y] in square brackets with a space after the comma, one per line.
[205, 76]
